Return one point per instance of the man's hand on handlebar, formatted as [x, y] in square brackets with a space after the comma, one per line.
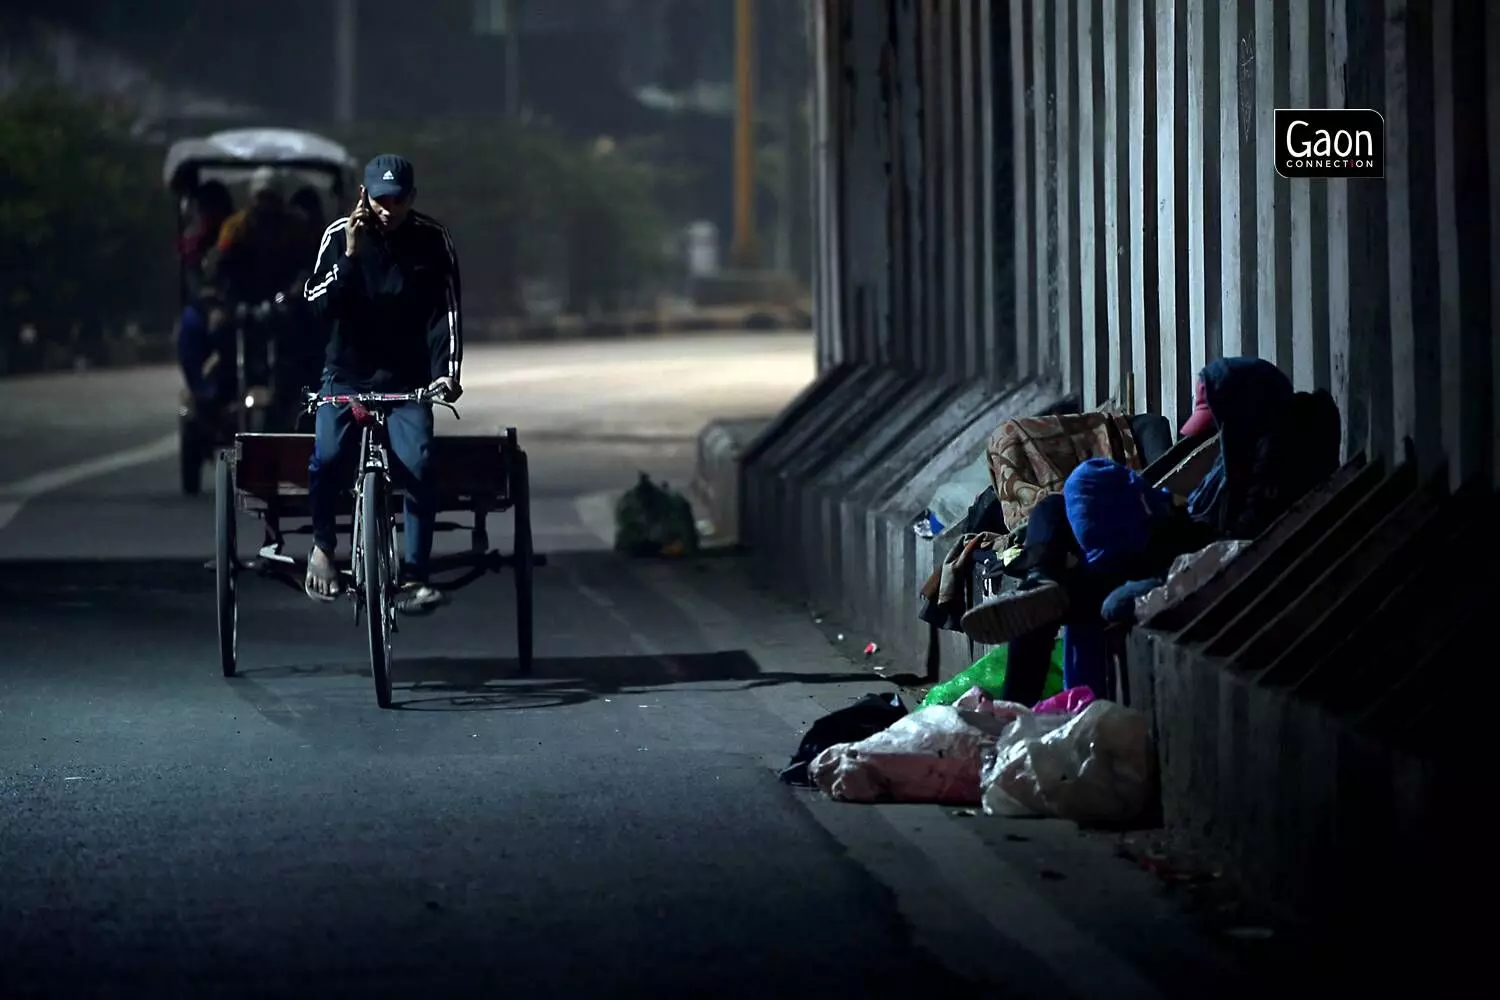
[434, 395]
[446, 389]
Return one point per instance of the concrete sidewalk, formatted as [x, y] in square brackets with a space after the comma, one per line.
[1085, 906]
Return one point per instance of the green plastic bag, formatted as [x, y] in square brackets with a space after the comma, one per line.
[652, 520]
[988, 674]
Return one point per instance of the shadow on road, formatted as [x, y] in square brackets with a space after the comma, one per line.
[496, 683]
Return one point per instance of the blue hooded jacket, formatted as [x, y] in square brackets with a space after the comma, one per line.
[1274, 444]
[1113, 513]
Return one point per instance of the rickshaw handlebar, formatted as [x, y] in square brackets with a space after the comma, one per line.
[381, 400]
[261, 310]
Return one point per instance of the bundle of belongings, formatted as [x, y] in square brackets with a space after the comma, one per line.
[652, 520]
[1071, 534]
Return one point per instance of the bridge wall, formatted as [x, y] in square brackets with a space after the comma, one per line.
[1021, 202]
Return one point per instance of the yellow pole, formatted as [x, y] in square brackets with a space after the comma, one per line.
[744, 251]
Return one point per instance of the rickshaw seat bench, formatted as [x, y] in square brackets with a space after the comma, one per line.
[472, 471]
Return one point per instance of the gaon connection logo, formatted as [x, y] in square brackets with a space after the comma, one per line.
[1330, 142]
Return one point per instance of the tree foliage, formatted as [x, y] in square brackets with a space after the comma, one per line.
[87, 228]
[524, 202]
[85, 224]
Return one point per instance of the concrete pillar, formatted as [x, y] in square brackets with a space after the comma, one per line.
[828, 77]
[1173, 235]
[994, 128]
[1411, 204]
[1237, 177]
[893, 85]
[867, 231]
[968, 198]
[953, 157]
[1045, 188]
[1272, 203]
[934, 155]
[1202, 53]
[1365, 244]
[1115, 130]
[1093, 287]
[1023, 145]
[1336, 60]
[1139, 34]
[907, 252]
[1466, 241]
[1308, 215]
[1064, 45]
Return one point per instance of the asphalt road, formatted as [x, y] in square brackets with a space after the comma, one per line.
[610, 826]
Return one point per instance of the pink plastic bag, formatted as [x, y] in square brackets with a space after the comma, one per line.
[1069, 702]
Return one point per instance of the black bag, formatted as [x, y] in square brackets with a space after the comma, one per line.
[985, 514]
[869, 715]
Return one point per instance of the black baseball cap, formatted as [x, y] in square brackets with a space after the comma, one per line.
[389, 176]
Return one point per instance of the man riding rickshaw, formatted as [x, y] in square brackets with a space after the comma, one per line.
[247, 344]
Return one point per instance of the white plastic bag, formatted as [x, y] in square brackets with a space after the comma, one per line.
[1094, 768]
[1188, 573]
[977, 699]
[932, 755]
[951, 503]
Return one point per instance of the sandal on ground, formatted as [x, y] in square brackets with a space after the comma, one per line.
[418, 598]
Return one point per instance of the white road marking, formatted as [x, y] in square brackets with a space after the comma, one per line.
[14, 496]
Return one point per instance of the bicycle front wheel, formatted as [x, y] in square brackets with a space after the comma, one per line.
[377, 574]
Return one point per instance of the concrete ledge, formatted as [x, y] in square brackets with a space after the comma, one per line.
[1288, 700]
[717, 482]
[830, 491]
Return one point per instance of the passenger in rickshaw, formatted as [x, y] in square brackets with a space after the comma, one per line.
[260, 247]
[205, 352]
[261, 253]
[212, 205]
[308, 204]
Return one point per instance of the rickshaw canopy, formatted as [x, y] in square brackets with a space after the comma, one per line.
[247, 149]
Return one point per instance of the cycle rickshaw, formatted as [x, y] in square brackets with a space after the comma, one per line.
[264, 390]
[266, 475]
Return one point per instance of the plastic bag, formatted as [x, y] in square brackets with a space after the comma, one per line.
[1070, 702]
[933, 755]
[952, 500]
[652, 520]
[988, 674]
[1188, 573]
[977, 699]
[1095, 768]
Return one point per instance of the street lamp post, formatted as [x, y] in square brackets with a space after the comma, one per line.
[744, 251]
[344, 61]
[512, 58]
